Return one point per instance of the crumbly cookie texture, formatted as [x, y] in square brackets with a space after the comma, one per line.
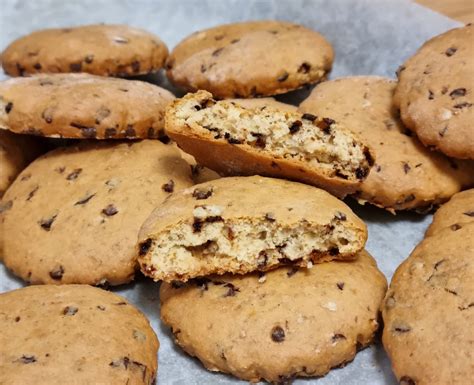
[243, 224]
[106, 50]
[435, 93]
[406, 175]
[83, 106]
[227, 60]
[428, 310]
[73, 215]
[454, 214]
[232, 139]
[76, 334]
[289, 322]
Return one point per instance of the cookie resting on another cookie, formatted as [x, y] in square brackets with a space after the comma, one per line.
[107, 50]
[73, 215]
[276, 326]
[250, 59]
[234, 140]
[244, 224]
[74, 334]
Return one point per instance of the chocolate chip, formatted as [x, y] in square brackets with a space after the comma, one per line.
[100, 307]
[405, 380]
[130, 131]
[47, 223]
[262, 259]
[203, 68]
[283, 77]
[295, 126]
[450, 51]
[261, 139]
[121, 303]
[168, 186]
[409, 198]
[8, 107]
[84, 200]
[75, 67]
[32, 193]
[457, 93]
[361, 173]
[70, 310]
[37, 66]
[462, 105]
[89, 59]
[274, 164]
[73, 175]
[402, 328]
[144, 246]
[325, 125]
[455, 227]
[233, 41]
[231, 290]
[231, 140]
[333, 251]
[340, 285]
[5, 206]
[17, 319]
[89, 132]
[469, 213]
[430, 95]
[341, 216]
[202, 283]
[309, 117]
[278, 334]
[27, 359]
[337, 337]
[110, 132]
[109, 210]
[57, 273]
[406, 168]
[136, 66]
[304, 68]
[292, 271]
[177, 284]
[202, 193]
[20, 69]
[217, 52]
[101, 114]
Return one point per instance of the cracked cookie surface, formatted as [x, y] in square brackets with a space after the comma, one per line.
[286, 323]
[93, 337]
[73, 215]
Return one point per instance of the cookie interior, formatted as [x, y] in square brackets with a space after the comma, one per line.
[211, 244]
[318, 143]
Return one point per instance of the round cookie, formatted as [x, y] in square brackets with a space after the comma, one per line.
[73, 215]
[286, 323]
[435, 93]
[428, 311]
[229, 225]
[227, 60]
[455, 213]
[76, 334]
[83, 106]
[16, 151]
[107, 50]
[406, 175]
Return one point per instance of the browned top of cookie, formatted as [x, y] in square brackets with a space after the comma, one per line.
[73, 215]
[74, 334]
[406, 175]
[250, 59]
[83, 106]
[110, 50]
[436, 92]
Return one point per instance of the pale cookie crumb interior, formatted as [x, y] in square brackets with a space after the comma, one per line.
[212, 244]
[319, 143]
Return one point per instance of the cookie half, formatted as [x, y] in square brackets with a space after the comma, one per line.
[73, 215]
[83, 106]
[406, 175]
[107, 50]
[243, 224]
[454, 214]
[250, 59]
[429, 311]
[234, 140]
[74, 333]
[435, 93]
[286, 323]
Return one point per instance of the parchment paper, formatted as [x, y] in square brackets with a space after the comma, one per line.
[370, 38]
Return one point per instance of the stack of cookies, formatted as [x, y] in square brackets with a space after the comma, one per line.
[230, 198]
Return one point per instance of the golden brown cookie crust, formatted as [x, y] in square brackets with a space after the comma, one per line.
[106, 50]
[264, 327]
[227, 60]
[435, 93]
[73, 215]
[75, 334]
[83, 106]
[406, 175]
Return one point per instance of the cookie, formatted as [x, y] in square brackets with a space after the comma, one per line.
[227, 60]
[83, 106]
[435, 93]
[428, 311]
[16, 151]
[73, 215]
[406, 175]
[243, 224]
[107, 50]
[286, 323]
[234, 140]
[76, 334]
[454, 214]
